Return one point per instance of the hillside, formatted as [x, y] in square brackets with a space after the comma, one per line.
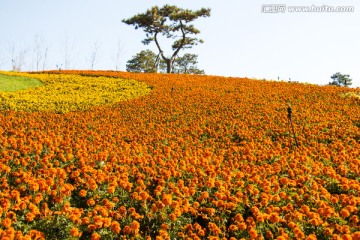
[186, 157]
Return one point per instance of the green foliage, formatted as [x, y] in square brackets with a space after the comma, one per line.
[187, 64]
[57, 227]
[340, 80]
[13, 83]
[171, 22]
[145, 61]
[148, 62]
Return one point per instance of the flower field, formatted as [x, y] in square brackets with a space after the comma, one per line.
[188, 157]
[65, 93]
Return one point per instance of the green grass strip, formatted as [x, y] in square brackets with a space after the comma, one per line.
[12, 83]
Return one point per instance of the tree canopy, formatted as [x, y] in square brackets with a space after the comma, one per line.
[171, 22]
[147, 61]
[339, 79]
[187, 64]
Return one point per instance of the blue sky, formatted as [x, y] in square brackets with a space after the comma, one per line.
[240, 40]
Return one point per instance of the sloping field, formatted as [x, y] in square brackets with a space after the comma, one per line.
[198, 157]
[62, 93]
[12, 83]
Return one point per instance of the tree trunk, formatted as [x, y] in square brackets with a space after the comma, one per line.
[169, 65]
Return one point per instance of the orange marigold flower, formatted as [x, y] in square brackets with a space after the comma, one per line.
[269, 234]
[334, 199]
[93, 186]
[74, 232]
[233, 228]
[196, 204]
[75, 218]
[95, 236]
[167, 199]
[328, 231]
[135, 225]
[346, 237]
[299, 233]
[201, 233]
[282, 195]
[90, 202]
[253, 233]
[242, 226]
[172, 216]
[214, 228]
[274, 217]
[163, 234]
[34, 234]
[115, 227]
[239, 218]
[276, 198]
[164, 226]
[345, 229]
[106, 222]
[260, 218]
[311, 237]
[314, 222]
[192, 191]
[144, 195]
[92, 227]
[154, 208]
[126, 230]
[122, 210]
[82, 193]
[344, 213]
[292, 225]
[177, 212]
[85, 221]
[30, 217]
[354, 219]
[356, 235]
[204, 195]
[11, 215]
[111, 189]
[6, 223]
